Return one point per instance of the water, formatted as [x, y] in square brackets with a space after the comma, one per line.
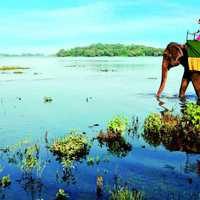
[86, 91]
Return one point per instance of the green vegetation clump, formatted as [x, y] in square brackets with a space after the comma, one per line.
[179, 133]
[190, 121]
[26, 156]
[61, 195]
[48, 99]
[153, 123]
[113, 137]
[18, 72]
[30, 158]
[117, 125]
[10, 68]
[90, 161]
[187, 122]
[72, 147]
[5, 181]
[157, 124]
[125, 194]
[111, 50]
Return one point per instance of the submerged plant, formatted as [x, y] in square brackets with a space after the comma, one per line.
[5, 181]
[70, 148]
[61, 195]
[117, 125]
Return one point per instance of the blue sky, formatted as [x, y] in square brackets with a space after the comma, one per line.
[48, 25]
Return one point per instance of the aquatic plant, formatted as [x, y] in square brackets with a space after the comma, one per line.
[48, 99]
[90, 161]
[9, 68]
[180, 133]
[125, 194]
[18, 72]
[170, 122]
[117, 125]
[5, 181]
[99, 185]
[190, 121]
[153, 123]
[61, 195]
[157, 126]
[70, 148]
[26, 156]
[30, 159]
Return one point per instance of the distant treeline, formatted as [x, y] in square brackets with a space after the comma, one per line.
[111, 50]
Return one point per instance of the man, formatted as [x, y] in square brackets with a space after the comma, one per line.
[198, 37]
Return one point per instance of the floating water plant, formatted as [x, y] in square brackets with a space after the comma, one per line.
[61, 195]
[5, 181]
[117, 125]
[70, 148]
[18, 72]
[48, 99]
[10, 68]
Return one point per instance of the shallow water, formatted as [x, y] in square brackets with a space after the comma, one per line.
[86, 91]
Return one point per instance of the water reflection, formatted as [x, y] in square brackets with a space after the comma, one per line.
[32, 186]
[116, 144]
